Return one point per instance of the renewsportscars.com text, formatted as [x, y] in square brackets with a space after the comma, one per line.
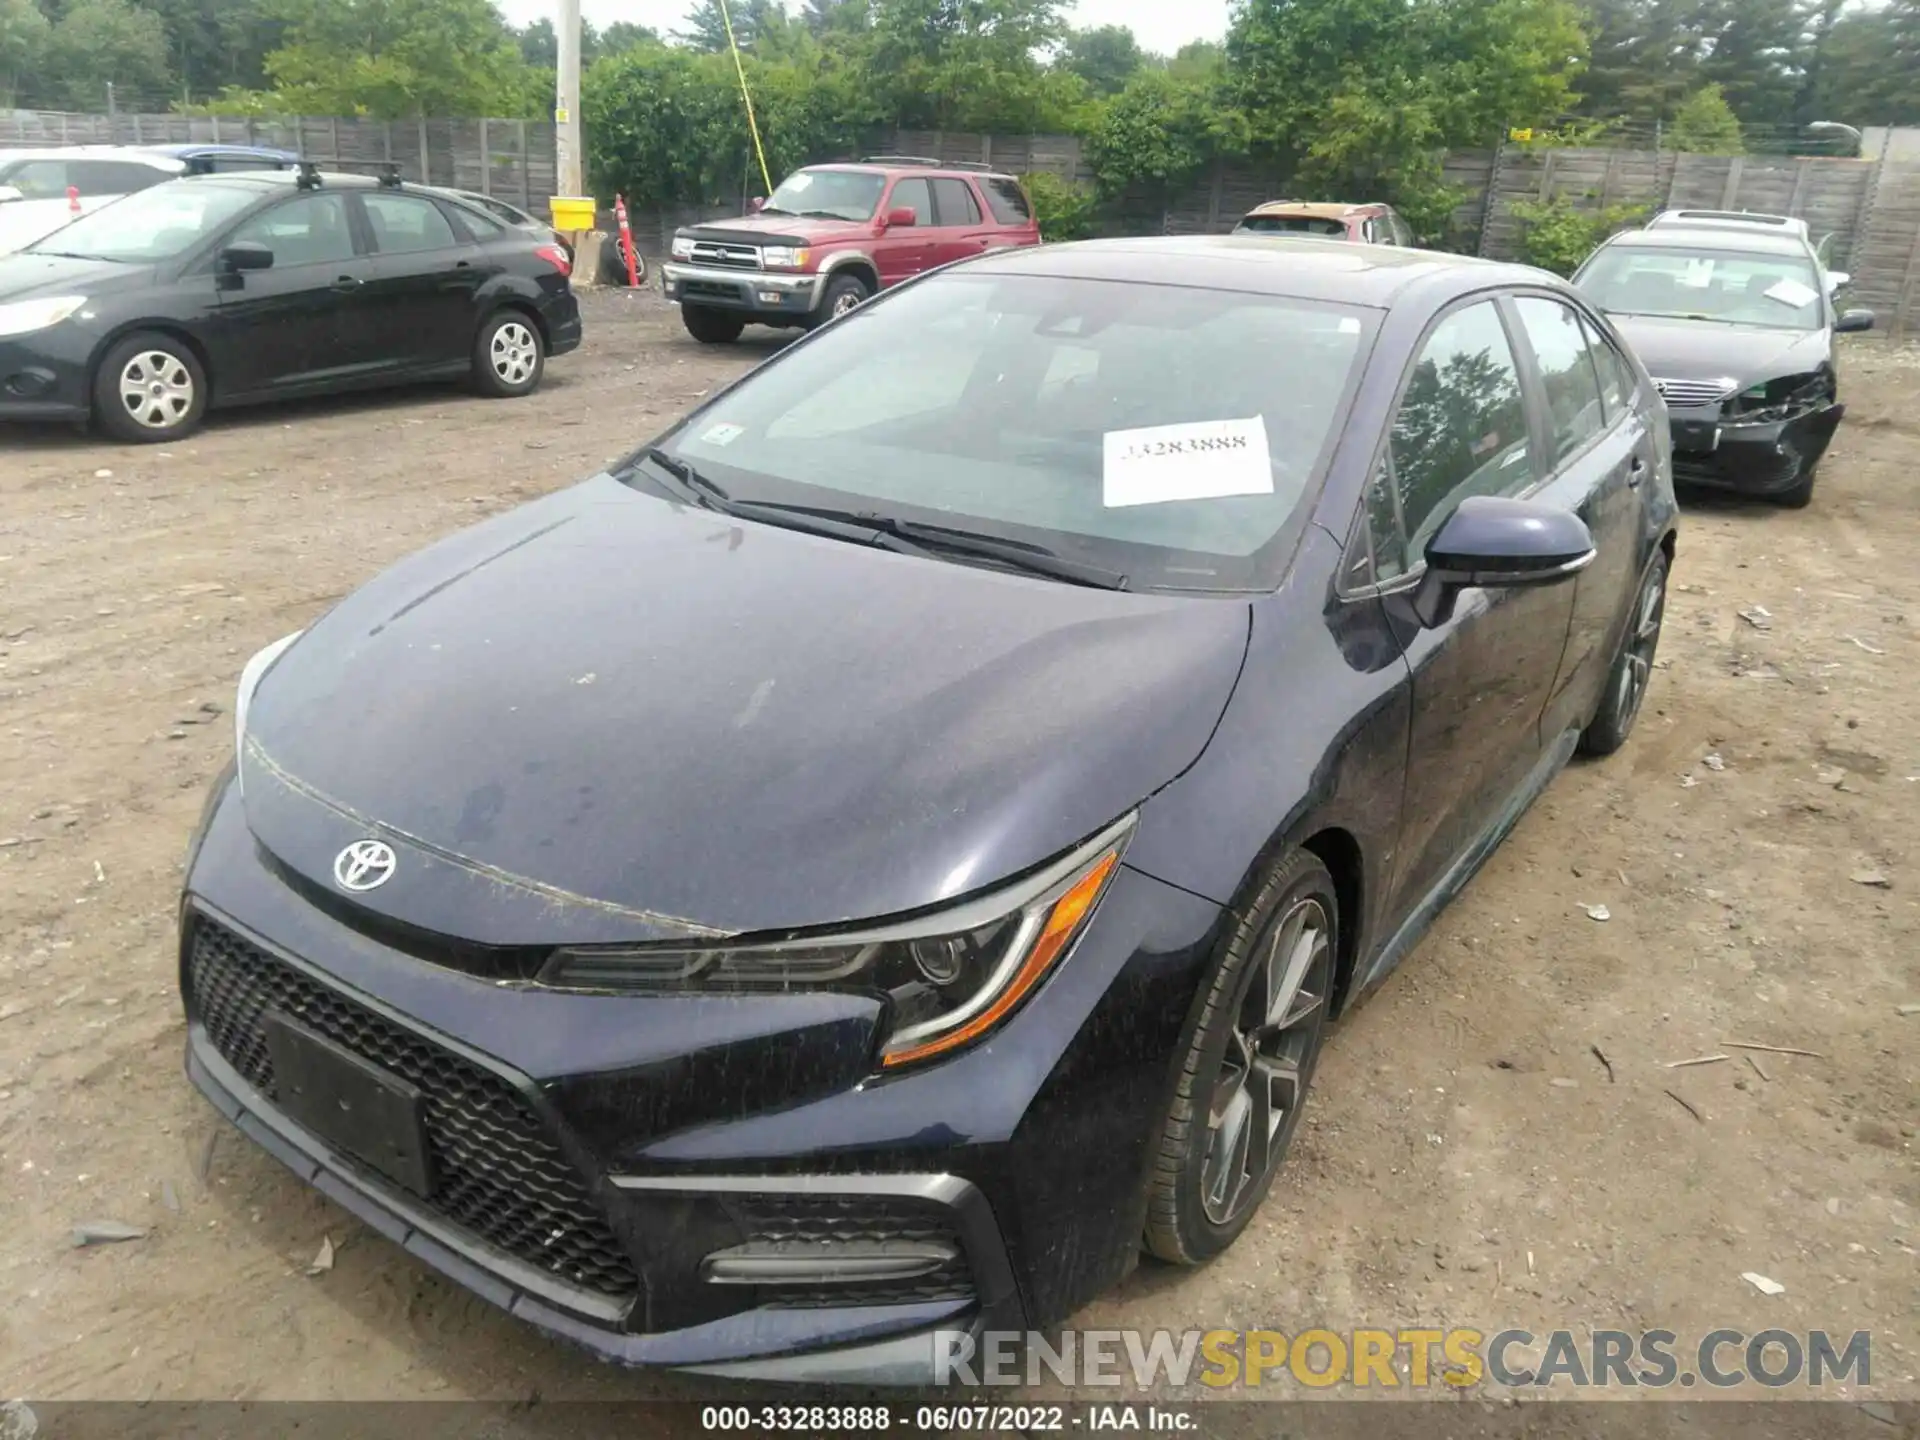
[1409, 1358]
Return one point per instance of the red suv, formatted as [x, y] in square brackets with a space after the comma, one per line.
[833, 235]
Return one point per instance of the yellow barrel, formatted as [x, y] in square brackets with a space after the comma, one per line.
[572, 212]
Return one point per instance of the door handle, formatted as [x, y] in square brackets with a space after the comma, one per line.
[1636, 472]
[346, 282]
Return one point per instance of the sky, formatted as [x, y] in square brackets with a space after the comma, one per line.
[1162, 25]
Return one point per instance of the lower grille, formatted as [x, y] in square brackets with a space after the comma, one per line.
[819, 1222]
[710, 290]
[501, 1178]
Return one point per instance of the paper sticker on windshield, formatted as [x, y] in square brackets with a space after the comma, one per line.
[1792, 292]
[798, 182]
[722, 434]
[1203, 461]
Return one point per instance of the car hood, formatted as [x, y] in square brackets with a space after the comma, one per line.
[766, 229]
[608, 717]
[1703, 350]
[29, 276]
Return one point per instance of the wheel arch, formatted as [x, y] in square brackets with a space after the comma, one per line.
[521, 306]
[857, 265]
[1339, 850]
[173, 330]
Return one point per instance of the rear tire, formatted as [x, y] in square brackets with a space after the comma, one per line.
[1632, 670]
[149, 388]
[509, 357]
[1249, 1062]
[710, 326]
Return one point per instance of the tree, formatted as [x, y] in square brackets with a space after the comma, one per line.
[24, 32]
[1106, 58]
[100, 41]
[1706, 125]
[1159, 133]
[1867, 68]
[1198, 60]
[1363, 97]
[392, 58]
[835, 17]
[623, 35]
[707, 24]
[212, 44]
[1757, 55]
[970, 64]
[1645, 56]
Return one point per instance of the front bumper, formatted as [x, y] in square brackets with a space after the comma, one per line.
[589, 1193]
[1711, 450]
[758, 292]
[44, 376]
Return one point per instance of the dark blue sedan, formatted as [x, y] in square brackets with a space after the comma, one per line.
[866, 867]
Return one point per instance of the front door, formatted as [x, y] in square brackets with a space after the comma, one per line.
[1481, 679]
[304, 321]
[425, 281]
[901, 251]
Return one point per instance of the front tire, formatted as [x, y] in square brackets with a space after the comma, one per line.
[1800, 494]
[1248, 1065]
[509, 356]
[710, 326]
[1632, 667]
[844, 293]
[149, 388]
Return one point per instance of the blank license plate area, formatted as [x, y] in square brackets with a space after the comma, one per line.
[355, 1106]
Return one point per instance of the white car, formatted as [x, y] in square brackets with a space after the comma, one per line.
[41, 190]
[1763, 223]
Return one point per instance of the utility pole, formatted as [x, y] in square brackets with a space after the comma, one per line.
[566, 107]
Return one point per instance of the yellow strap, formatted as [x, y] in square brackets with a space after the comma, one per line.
[753, 125]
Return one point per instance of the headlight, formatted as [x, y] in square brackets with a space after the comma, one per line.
[785, 257]
[948, 979]
[1774, 400]
[23, 317]
[683, 247]
[250, 676]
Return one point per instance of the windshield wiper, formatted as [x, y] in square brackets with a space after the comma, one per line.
[773, 210]
[705, 493]
[827, 215]
[914, 537]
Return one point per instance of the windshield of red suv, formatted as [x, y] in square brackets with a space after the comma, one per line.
[1165, 433]
[828, 194]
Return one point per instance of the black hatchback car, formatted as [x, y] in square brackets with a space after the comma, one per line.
[1736, 324]
[231, 289]
[862, 868]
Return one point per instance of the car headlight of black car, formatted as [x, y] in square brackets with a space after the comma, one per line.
[251, 674]
[1780, 399]
[949, 977]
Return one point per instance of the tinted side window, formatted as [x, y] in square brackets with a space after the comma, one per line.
[311, 230]
[38, 179]
[915, 196]
[111, 177]
[231, 164]
[478, 226]
[1462, 427]
[1007, 200]
[953, 199]
[404, 224]
[1616, 375]
[1385, 526]
[1566, 369]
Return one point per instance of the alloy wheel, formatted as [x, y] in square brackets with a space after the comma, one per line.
[1642, 641]
[1263, 1074]
[157, 389]
[514, 353]
[846, 301]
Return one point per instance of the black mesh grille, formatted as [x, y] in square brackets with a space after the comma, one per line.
[826, 1220]
[500, 1177]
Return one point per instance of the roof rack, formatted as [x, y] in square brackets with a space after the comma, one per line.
[930, 163]
[386, 170]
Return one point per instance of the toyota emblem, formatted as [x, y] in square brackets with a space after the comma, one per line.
[365, 865]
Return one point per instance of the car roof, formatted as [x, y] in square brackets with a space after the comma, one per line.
[1297, 267]
[913, 167]
[1752, 219]
[288, 180]
[141, 154]
[1316, 209]
[1733, 239]
[244, 152]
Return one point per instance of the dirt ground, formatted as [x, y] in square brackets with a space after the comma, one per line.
[1467, 1157]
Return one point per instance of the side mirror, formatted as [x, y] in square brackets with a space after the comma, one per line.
[756, 204]
[902, 216]
[1852, 321]
[246, 255]
[1494, 543]
[8, 192]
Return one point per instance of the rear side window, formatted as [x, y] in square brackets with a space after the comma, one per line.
[1461, 430]
[1567, 371]
[405, 224]
[476, 225]
[1616, 375]
[38, 179]
[111, 177]
[953, 202]
[1007, 200]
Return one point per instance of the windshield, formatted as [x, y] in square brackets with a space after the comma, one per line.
[155, 224]
[1291, 225]
[1779, 291]
[841, 194]
[1166, 434]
